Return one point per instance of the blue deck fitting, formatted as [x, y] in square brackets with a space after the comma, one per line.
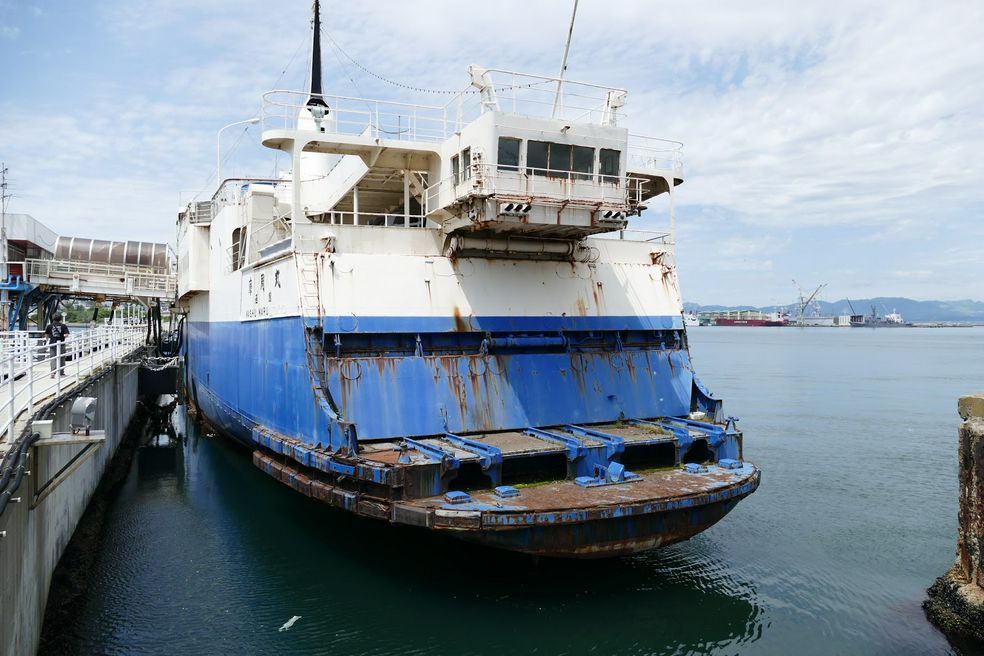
[575, 448]
[614, 474]
[694, 468]
[506, 492]
[722, 440]
[730, 463]
[455, 497]
[715, 434]
[582, 458]
[489, 456]
[614, 443]
[447, 460]
[681, 434]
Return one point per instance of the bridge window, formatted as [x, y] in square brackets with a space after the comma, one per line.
[560, 159]
[536, 157]
[466, 164]
[509, 153]
[609, 161]
[583, 162]
[456, 169]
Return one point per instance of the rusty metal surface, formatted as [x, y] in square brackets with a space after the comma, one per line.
[553, 519]
[565, 502]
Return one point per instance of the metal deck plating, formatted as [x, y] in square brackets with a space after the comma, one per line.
[595, 507]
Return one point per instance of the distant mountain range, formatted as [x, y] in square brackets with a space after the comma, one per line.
[909, 309]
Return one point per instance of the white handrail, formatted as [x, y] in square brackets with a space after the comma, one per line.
[31, 372]
[528, 183]
[130, 278]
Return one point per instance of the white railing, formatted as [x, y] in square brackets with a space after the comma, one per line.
[361, 117]
[392, 220]
[536, 96]
[17, 343]
[233, 191]
[529, 95]
[650, 153]
[559, 186]
[123, 279]
[30, 372]
[633, 234]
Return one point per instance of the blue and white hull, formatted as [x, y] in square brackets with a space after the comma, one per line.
[438, 329]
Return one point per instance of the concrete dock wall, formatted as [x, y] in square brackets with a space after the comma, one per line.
[35, 538]
[956, 600]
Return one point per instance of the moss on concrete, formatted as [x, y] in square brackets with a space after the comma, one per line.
[956, 607]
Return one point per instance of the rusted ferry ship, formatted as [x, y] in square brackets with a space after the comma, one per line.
[439, 318]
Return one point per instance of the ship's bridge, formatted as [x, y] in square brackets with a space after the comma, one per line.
[521, 155]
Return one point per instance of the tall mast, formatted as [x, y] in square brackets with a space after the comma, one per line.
[563, 64]
[315, 97]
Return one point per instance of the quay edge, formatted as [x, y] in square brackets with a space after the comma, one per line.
[956, 599]
[34, 532]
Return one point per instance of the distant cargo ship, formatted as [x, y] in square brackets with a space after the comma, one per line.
[752, 318]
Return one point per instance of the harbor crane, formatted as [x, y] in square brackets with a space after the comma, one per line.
[804, 301]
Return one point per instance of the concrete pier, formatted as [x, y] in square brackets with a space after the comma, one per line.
[45, 508]
[956, 599]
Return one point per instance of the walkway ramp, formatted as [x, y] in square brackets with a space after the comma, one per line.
[26, 381]
[112, 281]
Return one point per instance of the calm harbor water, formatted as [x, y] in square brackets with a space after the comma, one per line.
[855, 431]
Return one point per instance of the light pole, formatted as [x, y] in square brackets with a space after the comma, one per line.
[218, 146]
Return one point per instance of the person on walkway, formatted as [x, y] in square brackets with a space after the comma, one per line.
[56, 332]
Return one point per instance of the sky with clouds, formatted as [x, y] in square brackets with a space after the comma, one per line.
[836, 142]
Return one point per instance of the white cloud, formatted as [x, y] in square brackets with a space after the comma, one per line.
[818, 135]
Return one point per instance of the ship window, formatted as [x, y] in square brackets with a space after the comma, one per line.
[609, 162]
[536, 157]
[560, 159]
[466, 164]
[456, 169]
[583, 162]
[509, 153]
[238, 248]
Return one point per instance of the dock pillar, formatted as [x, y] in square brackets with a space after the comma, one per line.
[956, 599]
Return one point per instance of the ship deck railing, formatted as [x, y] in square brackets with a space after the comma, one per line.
[528, 95]
[378, 219]
[654, 154]
[536, 185]
[361, 117]
[633, 234]
[26, 367]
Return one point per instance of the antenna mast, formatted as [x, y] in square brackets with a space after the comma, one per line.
[563, 63]
[316, 97]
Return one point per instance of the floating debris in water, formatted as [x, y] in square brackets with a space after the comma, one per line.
[289, 623]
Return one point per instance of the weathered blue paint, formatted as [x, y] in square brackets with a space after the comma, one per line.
[614, 443]
[457, 497]
[489, 457]
[505, 491]
[613, 473]
[245, 371]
